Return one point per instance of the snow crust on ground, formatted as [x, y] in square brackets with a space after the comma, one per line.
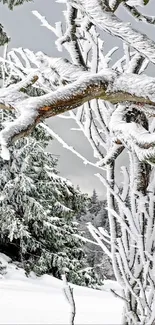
[33, 300]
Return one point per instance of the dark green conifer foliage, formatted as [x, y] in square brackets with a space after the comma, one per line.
[3, 36]
[12, 3]
[36, 213]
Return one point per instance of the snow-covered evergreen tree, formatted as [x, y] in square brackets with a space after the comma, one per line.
[94, 204]
[96, 214]
[13, 3]
[3, 37]
[116, 100]
[36, 210]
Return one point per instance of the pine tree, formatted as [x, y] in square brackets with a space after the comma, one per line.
[3, 36]
[94, 204]
[36, 213]
[96, 213]
[12, 3]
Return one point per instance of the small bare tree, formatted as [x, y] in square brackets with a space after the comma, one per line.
[116, 109]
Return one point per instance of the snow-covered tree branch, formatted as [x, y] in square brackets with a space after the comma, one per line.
[107, 85]
[112, 102]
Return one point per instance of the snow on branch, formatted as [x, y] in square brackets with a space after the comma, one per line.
[32, 110]
[98, 237]
[111, 155]
[124, 208]
[100, 15]
[107, 85]
[68, 147]
[138, 15]
[44, 22]
[53, 71]
[69, 39]
[134, 134]
[68, 291]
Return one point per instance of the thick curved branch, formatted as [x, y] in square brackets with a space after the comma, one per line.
[108, 86]
[133, 134]
[101, 16]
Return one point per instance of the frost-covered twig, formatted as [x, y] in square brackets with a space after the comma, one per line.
[122, 204]
[70, 298]
[99, 15]
[66, 146]
[138, 15]
[117, 295]
[45, 22]
[96, 235]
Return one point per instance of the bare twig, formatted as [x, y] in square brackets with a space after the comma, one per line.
[70, 298]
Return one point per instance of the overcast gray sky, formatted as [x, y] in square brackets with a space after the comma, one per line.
[25, 31]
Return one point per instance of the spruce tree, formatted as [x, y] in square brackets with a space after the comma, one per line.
[36, 213]
[96, 214]
[12, 3]
[94, 205]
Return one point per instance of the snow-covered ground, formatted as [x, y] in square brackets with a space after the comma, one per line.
[42, 301]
